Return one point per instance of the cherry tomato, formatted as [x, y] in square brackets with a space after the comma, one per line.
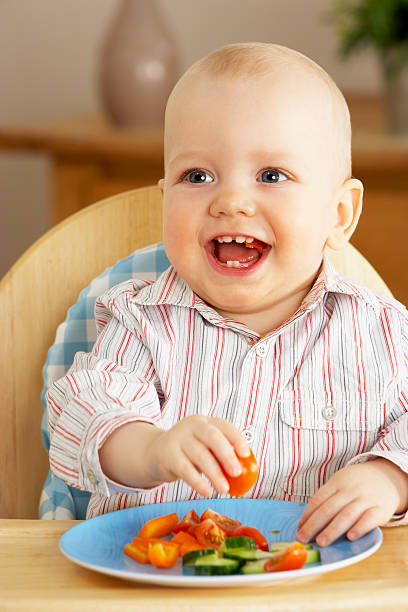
[188, 523]
[292, 557]
[239, 485]
[251, 532]
[159, 527]
[225, 522]
[209, 534]
[163, 554]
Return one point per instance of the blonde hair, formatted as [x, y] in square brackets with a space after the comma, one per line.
[256, 60]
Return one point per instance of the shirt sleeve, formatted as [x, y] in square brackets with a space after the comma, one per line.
[392, 443]
[114, 384]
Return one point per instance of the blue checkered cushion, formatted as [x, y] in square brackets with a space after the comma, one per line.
[78, 333]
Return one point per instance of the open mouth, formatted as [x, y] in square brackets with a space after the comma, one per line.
[236, 253]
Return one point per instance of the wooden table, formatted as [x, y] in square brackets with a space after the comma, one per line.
[34, 575]
[92, 159]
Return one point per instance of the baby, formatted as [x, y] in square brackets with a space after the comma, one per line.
[250, 336]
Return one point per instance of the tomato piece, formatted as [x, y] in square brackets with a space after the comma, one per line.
[182, 537]
[144, 543]
[239, 485]
[225, 522]
[159, 527]
[251, 532]
[255, 244]
[188, 523]
[209, 534]
[291, 558]
[136, 553]
[163, 554]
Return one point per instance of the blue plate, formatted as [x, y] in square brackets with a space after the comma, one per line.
[97, 544]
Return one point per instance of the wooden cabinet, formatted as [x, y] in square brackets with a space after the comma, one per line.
[91, 160]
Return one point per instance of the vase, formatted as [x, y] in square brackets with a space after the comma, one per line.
[396, 94]
[138, 66]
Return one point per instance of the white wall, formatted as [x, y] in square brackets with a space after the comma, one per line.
[48, 62]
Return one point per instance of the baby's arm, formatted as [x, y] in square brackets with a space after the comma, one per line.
[354, 500]
[143, 456]
[104, 418]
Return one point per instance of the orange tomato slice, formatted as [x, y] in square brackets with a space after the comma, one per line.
[163, 554]
[159, 527]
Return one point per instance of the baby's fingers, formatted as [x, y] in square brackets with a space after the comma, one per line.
[367, 521]
[355, 519]
[206, 463]
[318, 514]
[217, 438]
[234, 436]
[188, 472]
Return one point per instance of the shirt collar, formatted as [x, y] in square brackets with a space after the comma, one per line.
[171, 289]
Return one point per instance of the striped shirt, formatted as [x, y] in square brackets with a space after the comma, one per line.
[329, 387]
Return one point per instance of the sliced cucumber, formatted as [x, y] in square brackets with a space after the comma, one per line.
[276, 546]
[215, 566]
[313, 556]
[257, 567]
[239, 542]
[191, 557]
[253, 567]
[243, 554]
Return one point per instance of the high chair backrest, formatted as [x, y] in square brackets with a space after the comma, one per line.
[34, 298]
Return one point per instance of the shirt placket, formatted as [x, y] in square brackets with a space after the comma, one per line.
[251, 392]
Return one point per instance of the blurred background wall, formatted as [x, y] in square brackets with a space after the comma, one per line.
[48, 66]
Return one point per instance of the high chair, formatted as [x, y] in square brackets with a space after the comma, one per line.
[34, 298]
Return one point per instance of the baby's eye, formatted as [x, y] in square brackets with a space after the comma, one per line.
[271, 175]
[198, 176]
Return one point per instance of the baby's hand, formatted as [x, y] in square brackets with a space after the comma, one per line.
[198, 445]
[354, 500]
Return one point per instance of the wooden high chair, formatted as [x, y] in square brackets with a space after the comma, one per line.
[34, 298]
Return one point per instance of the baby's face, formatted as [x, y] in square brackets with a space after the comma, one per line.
[253, 163]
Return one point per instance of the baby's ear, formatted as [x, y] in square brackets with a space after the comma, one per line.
[348, 211]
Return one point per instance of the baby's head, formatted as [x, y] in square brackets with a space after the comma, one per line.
[258, 146]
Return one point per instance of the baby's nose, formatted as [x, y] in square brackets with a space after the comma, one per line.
[231, 205]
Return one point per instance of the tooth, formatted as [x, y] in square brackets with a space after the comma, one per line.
[230, 264]
[220, 239]
[227, 238]
[240, 239]
[235, 264]
[249, 240]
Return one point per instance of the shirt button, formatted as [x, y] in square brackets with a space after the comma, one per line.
[248, 435]
[329, 413]
[260, 350]
[91, 476]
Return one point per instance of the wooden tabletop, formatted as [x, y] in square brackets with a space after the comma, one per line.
[34, 575]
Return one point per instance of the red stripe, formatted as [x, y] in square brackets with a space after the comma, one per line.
[63, 469]
[188, 365]
[67, 435]
[361, 378]
[298, 414]
[168, 383]
[168, 284]
[259, 369]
